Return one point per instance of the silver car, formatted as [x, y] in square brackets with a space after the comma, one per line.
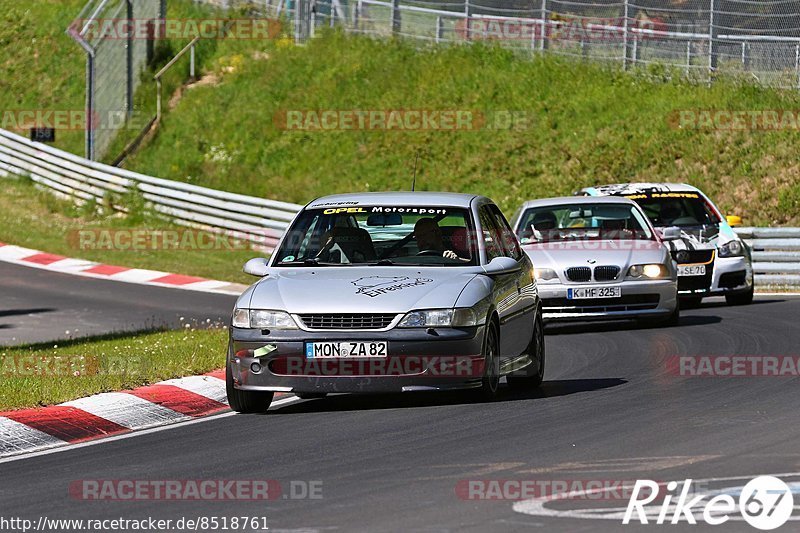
[387, 292]
[599, 258]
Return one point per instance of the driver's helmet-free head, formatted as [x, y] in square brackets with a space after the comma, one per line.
[428, 234]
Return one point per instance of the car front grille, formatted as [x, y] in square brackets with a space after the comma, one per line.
[693, 257]
[579, 274]
[631, 302]
[606, 273]
[346, 320]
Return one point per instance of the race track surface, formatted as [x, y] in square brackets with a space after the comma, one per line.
[41, 306]
[609, 410]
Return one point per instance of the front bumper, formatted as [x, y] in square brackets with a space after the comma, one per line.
[418, 359]
[730, 275]
[639, 299]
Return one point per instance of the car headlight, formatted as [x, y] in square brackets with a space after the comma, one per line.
[439, 318]
[648, 271]
[545, 274]
[262, 319]
[732, 249]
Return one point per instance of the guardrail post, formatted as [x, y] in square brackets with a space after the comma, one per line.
[439, 29]
[396, 17]
[544, 27]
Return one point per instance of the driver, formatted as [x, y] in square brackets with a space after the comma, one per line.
[429, 237]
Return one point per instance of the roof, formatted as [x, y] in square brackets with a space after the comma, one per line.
[425, 199]
[637, 188]
[576, 200]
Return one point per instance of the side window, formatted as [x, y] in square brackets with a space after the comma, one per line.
[509, 242]
[491, 239]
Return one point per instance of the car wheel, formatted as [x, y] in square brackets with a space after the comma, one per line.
[490, 383]
[310, 395]
[244, 401]
[535, 371]
[742, 298]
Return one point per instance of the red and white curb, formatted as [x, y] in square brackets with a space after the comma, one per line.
[112, 413]
[33, 258]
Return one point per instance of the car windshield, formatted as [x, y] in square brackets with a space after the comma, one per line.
[684, 209]
[583, 221]
[380, 235]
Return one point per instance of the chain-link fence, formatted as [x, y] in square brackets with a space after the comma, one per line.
[700, 39]
[116, 55]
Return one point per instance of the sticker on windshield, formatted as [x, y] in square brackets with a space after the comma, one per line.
[373, 286]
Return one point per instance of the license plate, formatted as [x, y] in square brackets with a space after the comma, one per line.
[691, 270]
[585, 293]
[334, 350]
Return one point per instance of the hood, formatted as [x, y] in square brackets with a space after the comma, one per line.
[358, 289]
[703, 237]
[561, 255]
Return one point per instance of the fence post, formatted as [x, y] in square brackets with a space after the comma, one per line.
[396, 17]
[129, 63]
[439, 29]
[626, 16]
[357, 16]
[192, 63]
[544, 27]
[297, 21]
[688, 57]
[467, 12]
[90, 106]
[712, 41]
[797, 63]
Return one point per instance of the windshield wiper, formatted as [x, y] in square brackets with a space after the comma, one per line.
[383, 262]
[311, 261]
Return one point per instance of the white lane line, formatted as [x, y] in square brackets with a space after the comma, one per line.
[16, 437]
[208, 386]
[277, 403]
[127, 410]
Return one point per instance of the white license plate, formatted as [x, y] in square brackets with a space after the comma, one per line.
[585, 293]
[691, 270]
[334, 350]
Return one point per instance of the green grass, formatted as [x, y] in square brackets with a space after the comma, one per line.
[590, 124]
[46, 374]
[36, 219]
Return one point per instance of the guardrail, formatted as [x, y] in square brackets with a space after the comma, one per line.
[258, 220]
[776, 255]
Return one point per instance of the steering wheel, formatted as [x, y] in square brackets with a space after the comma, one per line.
[430, 252]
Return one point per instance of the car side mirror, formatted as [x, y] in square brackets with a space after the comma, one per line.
[671, 234]
[256, 267]
[733, 220]
[501, 265]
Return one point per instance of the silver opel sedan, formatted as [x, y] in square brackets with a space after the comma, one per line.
[388, 292]
[599, 258]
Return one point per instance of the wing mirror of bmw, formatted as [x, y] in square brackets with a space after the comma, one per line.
[501, 265]
[256, 267]
[671, 234]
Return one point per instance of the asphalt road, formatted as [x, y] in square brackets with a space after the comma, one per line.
[609, 410]
[40, 306]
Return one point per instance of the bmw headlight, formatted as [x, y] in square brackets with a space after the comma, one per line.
[439, 318]
[653, 271]
[262, 319]
[732, 249]
[545, 274]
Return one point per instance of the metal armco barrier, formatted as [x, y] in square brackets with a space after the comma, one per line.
[776, 255]
[258, 220]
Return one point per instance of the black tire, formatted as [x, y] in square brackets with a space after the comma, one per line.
[310, 395]
[490, 382]
[535, 371]
[742, 298]
[244, 401]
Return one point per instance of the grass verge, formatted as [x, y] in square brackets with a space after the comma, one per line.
[46, 374]
[36, 219]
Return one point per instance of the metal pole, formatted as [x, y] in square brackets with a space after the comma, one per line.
[625, 36]
[357, 16]
[158, 99]
[797, 63]
[712, 42]
[467, 9]
[297, 36]
[543, 37]
[89, 106]
[192, 63]
[395, 17]
[635, 58]
[129, 60]
[439, 29]
[688, 56]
